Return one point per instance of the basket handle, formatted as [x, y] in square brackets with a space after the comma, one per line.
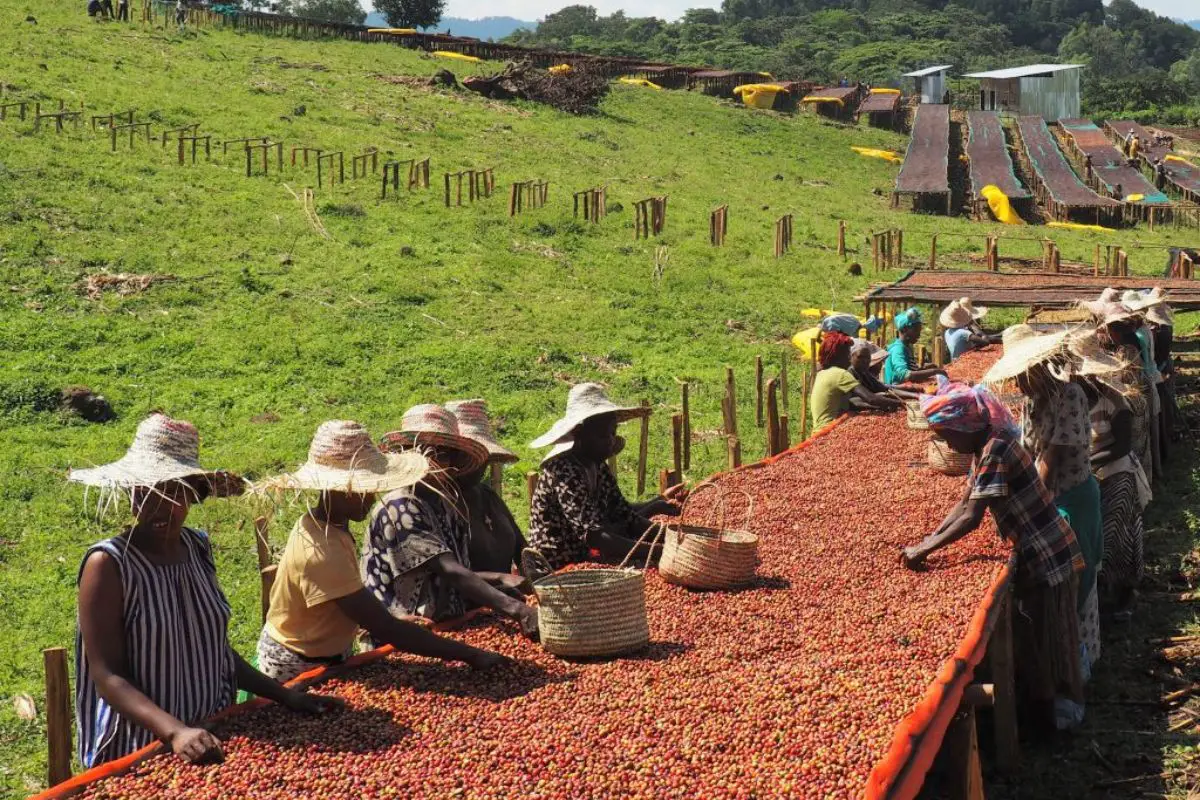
[659, 527]
[532, 561]
[721, 504]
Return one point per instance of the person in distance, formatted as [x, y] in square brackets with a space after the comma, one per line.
[901, 365]
[835, 390]
[963, 332]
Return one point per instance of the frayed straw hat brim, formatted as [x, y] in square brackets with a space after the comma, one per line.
[133, 471]
[400, 470]
[567, 425]
[476, 452]
[1023, 354]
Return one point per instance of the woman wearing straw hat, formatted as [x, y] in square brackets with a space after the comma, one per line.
[318, 601]
[1005, 481]
[578, 506]
[1116, 327]
[1135, 302]
[1162, 329]
[496, 539]
[417, 558]
[901, 365]
[152, 654]
[963, 334]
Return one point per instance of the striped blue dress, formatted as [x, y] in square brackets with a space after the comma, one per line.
[176, 621]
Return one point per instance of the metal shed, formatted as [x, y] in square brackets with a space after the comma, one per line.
[1049, 91]
[930, 83]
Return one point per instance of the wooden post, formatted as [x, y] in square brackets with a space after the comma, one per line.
[58, 714]
[783, 382]
[643, 449]
[899, 247]
[802, 426]
[933, 252]
[531, 481]
[966, 775]
[497, 477]
[785, 439]
[1000, 653]
[773, 417]
[687, 426]
[758, 391]
[267, 578]
[677, 444]
[841, 241]
[447, 182]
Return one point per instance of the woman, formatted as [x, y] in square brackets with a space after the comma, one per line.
[152, 653]
[1059, 438]
[1134, 301]
[578, 507]
[963, 334]
[417, 558]
[496, 539]
[901, 365]
[1117, 330]
[1162, 329]
[1005, 481]
[835, 390]
[863, 370]
[318, 601]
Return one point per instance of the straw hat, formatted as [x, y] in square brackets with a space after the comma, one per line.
[1093, 359]
[961, 313]
[163, 449]
[473, 423]
[1157, 311]
[342, 458]
[431, 425]
[1016, 333]
[1021, 355]
[1109, 295]
[584, 401]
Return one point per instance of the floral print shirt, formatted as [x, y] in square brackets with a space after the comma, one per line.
[572, 501]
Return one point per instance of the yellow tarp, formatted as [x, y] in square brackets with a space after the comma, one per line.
[1180, 159]
[459, 56]
[1134, 198]
[758, 95]
[639, 82]
[767, 75]
[815, 99]
[1078, 226]
[806, 341]
[1001, 208]
[871, 152]
[885, 91]
[560, 69]
[398, 31]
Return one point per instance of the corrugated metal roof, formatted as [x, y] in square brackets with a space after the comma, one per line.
[921, 73]
[1033, 70]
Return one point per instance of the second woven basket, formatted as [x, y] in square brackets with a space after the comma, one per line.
[945, 460]
[700, 557]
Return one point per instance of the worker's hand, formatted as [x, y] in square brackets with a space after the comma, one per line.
[312, 703]
[485, 659]
[676, 494]
[196, 745]
[912, 557]
[528, 618]
[515, 585]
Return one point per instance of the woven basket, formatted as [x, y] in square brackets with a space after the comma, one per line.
[916, 420]
[944, 460]
[591, 613]
[700, 557]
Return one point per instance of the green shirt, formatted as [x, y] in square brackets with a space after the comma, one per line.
[831, 395]
[899, 362]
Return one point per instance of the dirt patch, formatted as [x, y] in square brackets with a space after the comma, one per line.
[543, 250]
[123, 283]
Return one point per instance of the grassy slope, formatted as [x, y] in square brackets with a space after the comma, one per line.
[353, 327]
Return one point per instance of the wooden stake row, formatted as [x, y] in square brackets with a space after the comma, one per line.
[359, 164]
[132, 129]
[265, 149]
[887, 249]
[532, 194]
[112, 119]
[418, 175]
[186, 130]
[593, 202]
[1051, 257]
[718, 224]
[650, 217]
[480, 184]
[195, 140]
[783, 235]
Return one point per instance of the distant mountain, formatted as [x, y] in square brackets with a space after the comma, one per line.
[1195, 23]
[487, 28]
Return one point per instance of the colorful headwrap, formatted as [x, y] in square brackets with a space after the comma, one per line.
[906, 319]
[958, 407]
[831, 344]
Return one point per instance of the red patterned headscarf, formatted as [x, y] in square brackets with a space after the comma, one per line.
[832, 344]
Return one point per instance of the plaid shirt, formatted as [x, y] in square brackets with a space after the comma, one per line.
[1005, 477]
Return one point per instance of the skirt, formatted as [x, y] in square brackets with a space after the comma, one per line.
[1123, 532]
[1081, 507]
[1142, 419]
[1046, 642]
[1089, 632]
[282, 663]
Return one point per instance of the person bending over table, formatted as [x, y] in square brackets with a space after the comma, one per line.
[318, 601]
[578, 507]
[835, 390]
[152, 652]
[861, 368]
[901, 365]
[963, 333]
[1005, 481]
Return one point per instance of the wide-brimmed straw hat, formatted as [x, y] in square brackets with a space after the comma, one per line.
[1109, 295]
[1016, 333]
[1108, 313]
[163, 449]
[343, 458]
[961, 313]
[473, 422]
[1158, 310]
[1020, 356]
[431, 425]
[1090, 356]
[584, 401]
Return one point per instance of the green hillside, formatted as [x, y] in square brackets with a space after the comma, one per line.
[265, 328]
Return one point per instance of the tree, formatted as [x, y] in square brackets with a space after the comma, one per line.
[411, 13]
[346, 11]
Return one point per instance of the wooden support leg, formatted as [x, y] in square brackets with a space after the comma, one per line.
[58, 714]
[687, 426]
[966, 776]
[643, 449]
[1000, 654]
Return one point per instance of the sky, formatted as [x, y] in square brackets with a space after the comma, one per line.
[673, 9]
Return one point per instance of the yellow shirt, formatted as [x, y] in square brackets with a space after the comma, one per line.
[319, 564]
[831, 395]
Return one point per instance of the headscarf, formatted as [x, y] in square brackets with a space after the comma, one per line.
[843, 323]
[958, 407]
[906, 319]
[831, 345]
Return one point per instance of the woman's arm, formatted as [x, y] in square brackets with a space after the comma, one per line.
[259, 685]
[923, 374]
[963, 519]
[101, 625]
[873, 400]
[1048, 460]
[474, 587]
[372, 616]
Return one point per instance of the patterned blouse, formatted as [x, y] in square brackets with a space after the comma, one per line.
[1064, 421]
[408, 530]
[573, 500]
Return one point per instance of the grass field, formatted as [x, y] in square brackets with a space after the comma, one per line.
[267, 329]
